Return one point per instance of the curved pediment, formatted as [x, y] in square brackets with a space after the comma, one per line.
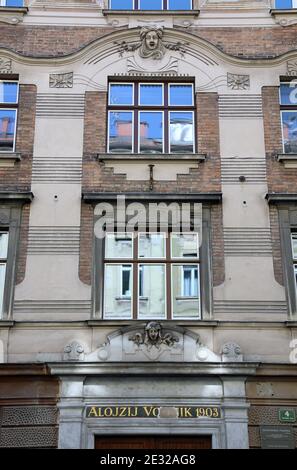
[153, 341]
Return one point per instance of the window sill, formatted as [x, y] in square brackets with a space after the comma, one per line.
[6, 323]
[12, 15]
[9, 159]
[149, 157]
[288, 160]
[193, 13]
[165, 323]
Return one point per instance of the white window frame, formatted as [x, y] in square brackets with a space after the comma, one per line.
[182, 84]
[3, 262]
[141, 299]
[151, 84]
[151, 233]
[14, 130]
[3, 4]
[108, 133]
[185, 257]
[115, 317]
[163, 131]
[187, 298]
[121, 83]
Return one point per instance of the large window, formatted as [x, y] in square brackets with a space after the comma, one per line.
[3, 264]
[150, 4]
[151, 118]
[284, 4]
[152, 276]
[11, 3]
[8, 115]
[288, 100]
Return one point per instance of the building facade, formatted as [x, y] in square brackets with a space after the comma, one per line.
[120, 330]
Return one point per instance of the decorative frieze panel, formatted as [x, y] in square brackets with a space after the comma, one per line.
[238, 82]
[5, 65]
[61, 80]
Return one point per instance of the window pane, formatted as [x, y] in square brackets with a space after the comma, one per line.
[295, 271]
[14, 3]
[181, 95]
[2, 283]
[151, 95]
[3, 245]
[185, 291]
[151, 132]
[152, 292]
[121, 4]
[288, 94]
[283, 4]
[181, 133]
[7, 127]
[126, 281]
[121, 94]
[117, 305]
[289, 122]
[8, 92]
[184, 245]
[150, 4]
[180, 4]
[151, 245]
[294, 245]
[120, 132]
[118, 245]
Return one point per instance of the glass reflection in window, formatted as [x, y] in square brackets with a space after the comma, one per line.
[7, 129]
[117, 287]
[118, 245]
[8, 92]
[185, 291]
[289, 124]
[181, 95]
[120, 131]
[151, 245]
[184, 245]
[179, 4]
[151, 95]
[181, 132]
[151, 302]
[150, 4]
[151, 132]
[121, 4]
[121, 94]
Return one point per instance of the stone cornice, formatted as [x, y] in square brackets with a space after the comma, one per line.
[281, 198]
[161, 369]
[23, 369]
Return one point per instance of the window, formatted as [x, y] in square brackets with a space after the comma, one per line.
[294, 253]
[284, 4]
[152, 276]
[8, 115]
[150, 5]
[3, 264]
[288, 105]
[11, 3]
[151, 118]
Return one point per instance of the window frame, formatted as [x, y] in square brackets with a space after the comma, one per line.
[165, 6]
[166, 109]
[3, 3]
[168, 262]
[11, 107]
[3, 262]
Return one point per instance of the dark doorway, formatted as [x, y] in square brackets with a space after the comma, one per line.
[153, 442]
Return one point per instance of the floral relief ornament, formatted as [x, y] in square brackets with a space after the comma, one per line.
[151, 44]
[5, 65]
[238, 82]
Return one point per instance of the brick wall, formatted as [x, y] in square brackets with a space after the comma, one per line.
[18, 177]
[52, 41]
[23, 245]
[276, 244]
[217, 237]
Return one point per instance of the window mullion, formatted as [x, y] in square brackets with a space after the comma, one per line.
[168, 279]
[135, 268]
